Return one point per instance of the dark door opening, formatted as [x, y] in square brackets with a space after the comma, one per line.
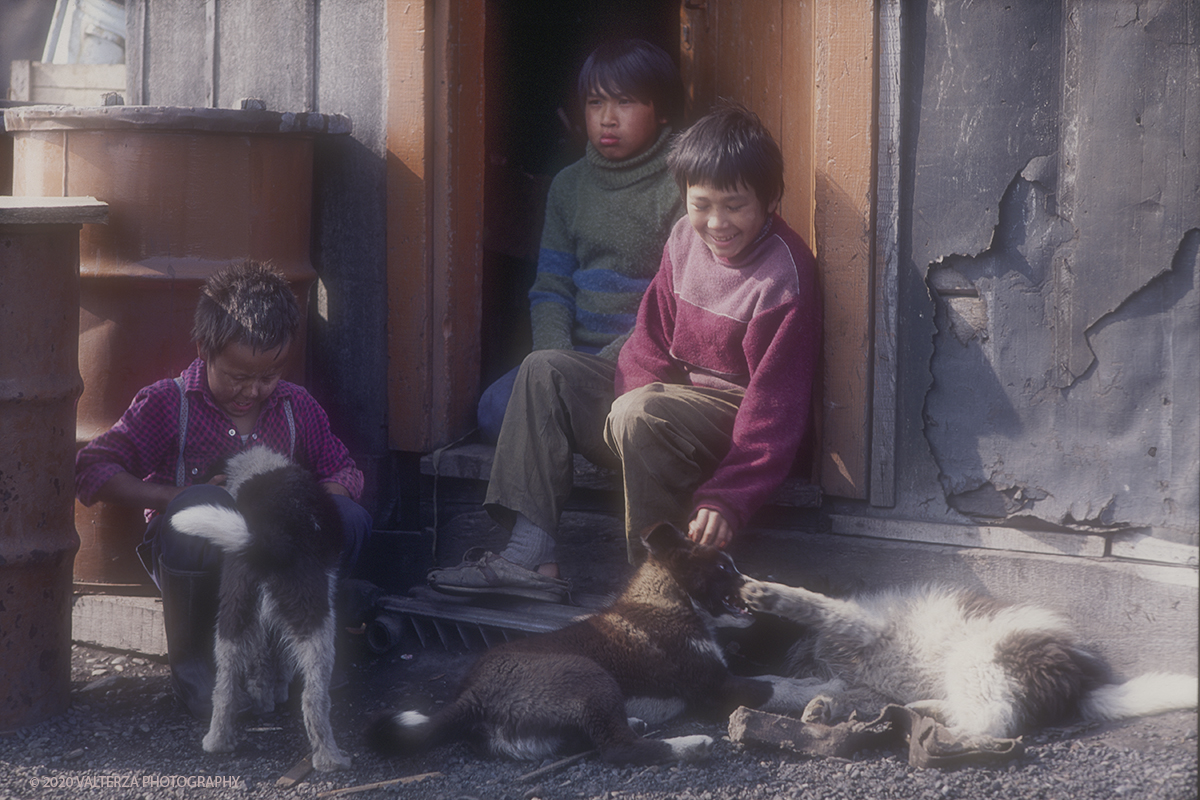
[534, 125]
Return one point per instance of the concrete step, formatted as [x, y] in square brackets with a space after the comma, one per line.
[474, 462]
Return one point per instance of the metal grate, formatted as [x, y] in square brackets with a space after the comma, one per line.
[457, 626]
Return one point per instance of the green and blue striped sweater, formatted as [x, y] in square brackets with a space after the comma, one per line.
[606, 223]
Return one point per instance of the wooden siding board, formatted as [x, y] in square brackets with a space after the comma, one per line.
[807, 68]
[796, 126]
[458, 216]
[174, 58]
[987, 537]
[282, 75]
[135, 43]
[435, 219]
[886, 259]
[845, 66]
[408, 256]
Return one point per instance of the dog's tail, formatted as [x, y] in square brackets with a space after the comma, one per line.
[400, 733]
[222, 526]
[1153, 693]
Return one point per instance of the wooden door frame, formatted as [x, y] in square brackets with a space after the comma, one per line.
[435, 164]
[832, 139]
[825, 123]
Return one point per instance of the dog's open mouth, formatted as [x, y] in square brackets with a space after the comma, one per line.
[734, 605]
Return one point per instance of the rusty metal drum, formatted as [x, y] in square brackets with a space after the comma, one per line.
[39, 383]
[190, 190]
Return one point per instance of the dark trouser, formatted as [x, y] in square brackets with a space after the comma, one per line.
[493, 403]
[187, 571]
[558, 406]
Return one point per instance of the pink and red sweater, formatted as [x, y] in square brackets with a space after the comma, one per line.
[753, 325]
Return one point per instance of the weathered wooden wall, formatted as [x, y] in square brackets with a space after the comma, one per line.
[1045, 306]
[435, 219]
[1050, 337]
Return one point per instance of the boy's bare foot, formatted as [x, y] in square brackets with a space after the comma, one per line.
[549, 569]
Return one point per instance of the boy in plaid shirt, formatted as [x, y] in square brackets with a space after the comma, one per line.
[160, 455]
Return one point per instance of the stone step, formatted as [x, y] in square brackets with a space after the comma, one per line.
[474, 462]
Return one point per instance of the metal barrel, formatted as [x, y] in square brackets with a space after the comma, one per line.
[39, 384]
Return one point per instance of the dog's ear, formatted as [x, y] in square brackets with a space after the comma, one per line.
[663, 538]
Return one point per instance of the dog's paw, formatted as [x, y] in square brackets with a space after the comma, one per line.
[691, 748]
[758, 595]
[638, 726]
[329, 760]
[820, 710]
[218, 742]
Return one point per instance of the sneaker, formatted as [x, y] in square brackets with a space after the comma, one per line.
[484, 572]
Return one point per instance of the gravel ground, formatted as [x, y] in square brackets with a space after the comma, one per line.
[125, 737]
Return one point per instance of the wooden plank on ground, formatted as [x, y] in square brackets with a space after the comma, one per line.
[65, 84]
[134, 624]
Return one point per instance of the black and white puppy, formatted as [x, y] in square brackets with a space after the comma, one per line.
[278, 579]
[979, 666]
[650, 654]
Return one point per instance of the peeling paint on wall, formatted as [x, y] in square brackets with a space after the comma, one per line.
[1058, 244]
[1112, 449]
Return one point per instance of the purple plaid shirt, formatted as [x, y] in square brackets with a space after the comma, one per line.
[145, 440]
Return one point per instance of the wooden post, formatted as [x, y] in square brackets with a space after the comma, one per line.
[435, 218]
[39, 382]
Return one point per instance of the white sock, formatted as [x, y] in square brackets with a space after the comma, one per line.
[529, 546]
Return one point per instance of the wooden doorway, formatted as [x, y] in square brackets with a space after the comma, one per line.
[462, 121]
[480, 114]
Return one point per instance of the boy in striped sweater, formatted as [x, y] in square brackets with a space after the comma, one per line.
[607, 215]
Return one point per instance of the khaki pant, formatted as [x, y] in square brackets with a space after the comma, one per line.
[667, 439]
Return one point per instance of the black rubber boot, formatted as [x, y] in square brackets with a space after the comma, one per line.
[190, 619]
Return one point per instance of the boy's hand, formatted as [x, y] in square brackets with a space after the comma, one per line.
[709, 527]
[336, 488]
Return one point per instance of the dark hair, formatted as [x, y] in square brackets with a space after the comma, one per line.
[726, 147]
[637, 69]
[248, 303]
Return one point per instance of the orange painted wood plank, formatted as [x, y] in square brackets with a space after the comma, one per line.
[843, 153]
[408, 226]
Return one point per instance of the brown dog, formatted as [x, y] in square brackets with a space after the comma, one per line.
[651, 650]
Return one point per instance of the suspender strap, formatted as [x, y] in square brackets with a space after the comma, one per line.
[291, 421]
[180, 473]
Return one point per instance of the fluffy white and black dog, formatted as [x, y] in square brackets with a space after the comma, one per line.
[648, 655]
[978, 666]
[278, 578]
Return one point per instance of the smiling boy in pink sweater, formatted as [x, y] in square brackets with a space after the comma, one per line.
[714, 386]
